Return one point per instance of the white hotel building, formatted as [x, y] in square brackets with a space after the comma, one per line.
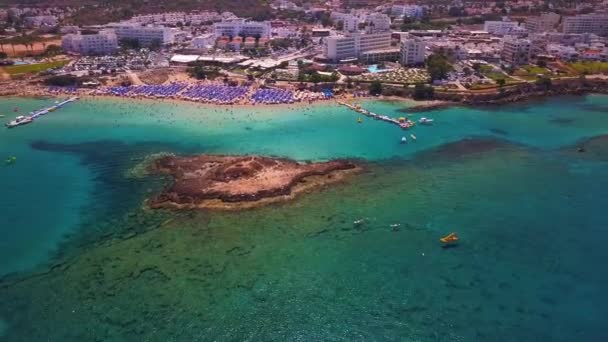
[240, 27]
[500, 27]
[586, 23]
[145, 35]
[352, 45]
[516, 51]
[412, 51]
[102, 43]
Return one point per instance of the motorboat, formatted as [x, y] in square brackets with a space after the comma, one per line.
[20, 120]
[449, 239]
[425, 121]
[403, 140]
[358, 222]
[359, 120]
[413, 137]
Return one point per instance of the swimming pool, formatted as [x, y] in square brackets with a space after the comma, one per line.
[374, 69]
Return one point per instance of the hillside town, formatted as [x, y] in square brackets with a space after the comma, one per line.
[305, 52]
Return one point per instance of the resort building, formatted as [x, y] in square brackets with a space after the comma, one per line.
[176, 18]
[145, 35]
[516, 51]
[102, 43]
[241, 27]
[378, 22]
[352, 45]
[203, 41]
[380, 55]
[412, 51]
[410, 11]
[350, 22]
[40, 20]
[500, 27]
[586, 23]
[544, 23]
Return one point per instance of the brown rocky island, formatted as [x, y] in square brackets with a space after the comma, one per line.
[238, 182]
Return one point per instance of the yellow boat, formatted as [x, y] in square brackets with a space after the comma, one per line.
[449, 239]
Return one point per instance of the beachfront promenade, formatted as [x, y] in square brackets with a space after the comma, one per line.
[216, 93]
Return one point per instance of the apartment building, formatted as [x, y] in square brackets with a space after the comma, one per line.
[412, 51]
[586, 23]
[378, 22]
[516, 51]
[352, 45]
[500, 27]
[410, 11]
[544, 23]
[101, 43]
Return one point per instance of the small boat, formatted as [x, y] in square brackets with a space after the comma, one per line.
[395, 225]
[359, 120]
[2, 115]
[403, 140]
[413, 137]
[449, 239]
[358, 222]
[16, 109]
[425, 121]
[20, 120]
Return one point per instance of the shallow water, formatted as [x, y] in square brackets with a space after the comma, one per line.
[528, 208]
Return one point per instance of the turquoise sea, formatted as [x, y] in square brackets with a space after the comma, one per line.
[81, 259]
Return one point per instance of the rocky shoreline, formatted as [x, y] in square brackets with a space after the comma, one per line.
[527, 91]
[238, 182]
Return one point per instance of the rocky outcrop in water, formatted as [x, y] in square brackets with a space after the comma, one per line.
[233, 182]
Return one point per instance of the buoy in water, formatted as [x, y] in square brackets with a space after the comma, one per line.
[10, 160]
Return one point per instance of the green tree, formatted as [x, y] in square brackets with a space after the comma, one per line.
[544, 82]
[375, 88]
[438, 66]
[155, 44]
[423, 92]
[53, 50]
[130, 43]
[501, 82]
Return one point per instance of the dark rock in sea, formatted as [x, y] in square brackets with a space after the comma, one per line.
[236, 182]
[499, 131]
[595, 148]
[464, 147]
[562, 121]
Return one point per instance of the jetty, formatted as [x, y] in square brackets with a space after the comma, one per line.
[403, 122]
[21, 120]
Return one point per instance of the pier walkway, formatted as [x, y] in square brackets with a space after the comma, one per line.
[404, 123]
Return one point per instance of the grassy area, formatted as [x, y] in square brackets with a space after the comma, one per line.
[588, 68]
[532, 70]
[32, 68]
[493, 74]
